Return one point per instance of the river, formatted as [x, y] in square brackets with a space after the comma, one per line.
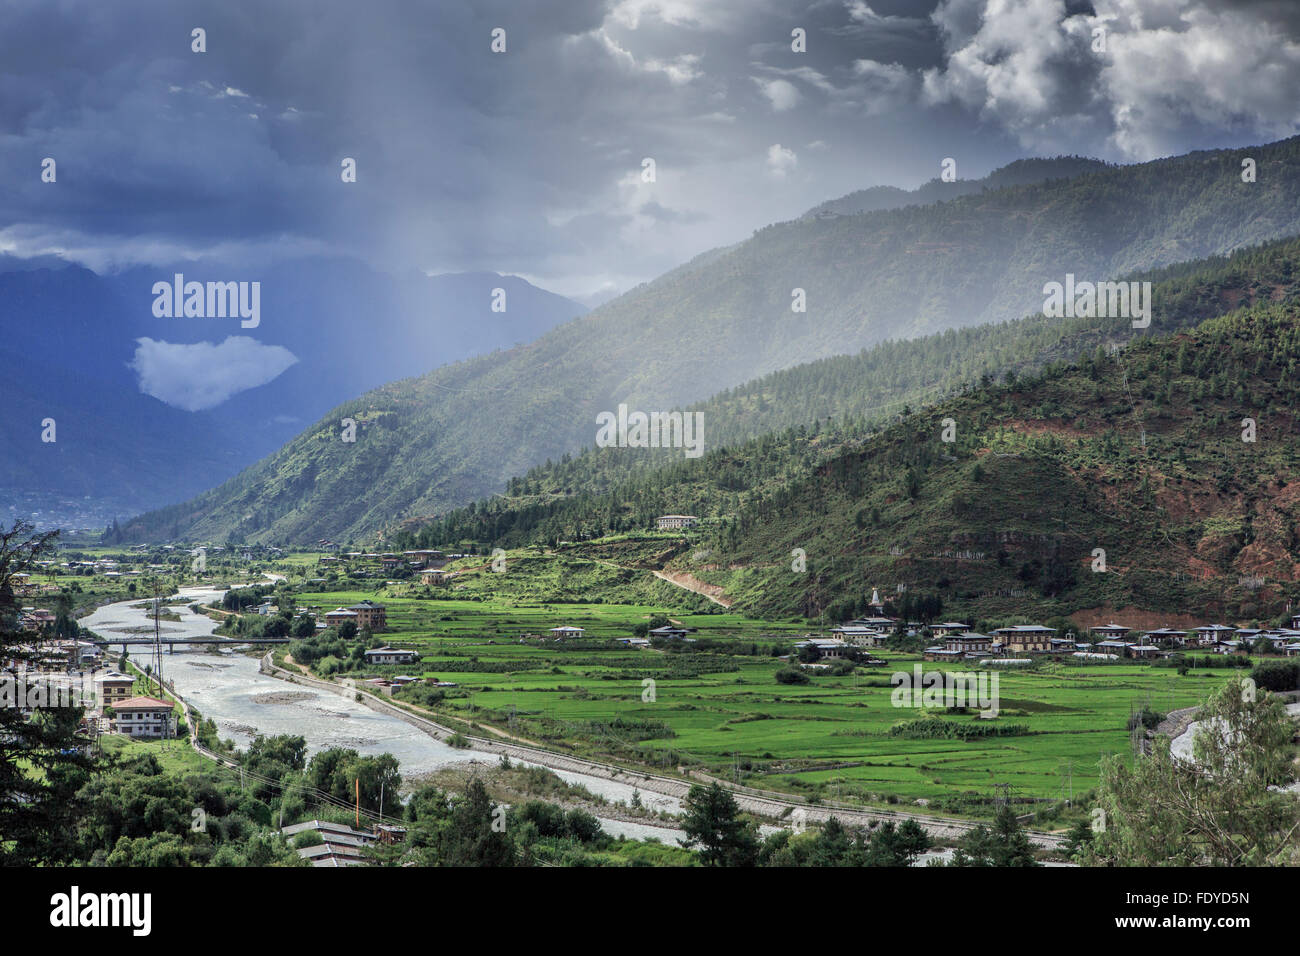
[229, 689]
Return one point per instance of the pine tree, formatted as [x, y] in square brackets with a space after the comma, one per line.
[42, 760]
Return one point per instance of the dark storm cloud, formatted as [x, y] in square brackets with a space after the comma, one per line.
[530, 162]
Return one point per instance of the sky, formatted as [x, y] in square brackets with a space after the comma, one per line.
[530, 161]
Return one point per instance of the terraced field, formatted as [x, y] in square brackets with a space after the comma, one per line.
[717, 707]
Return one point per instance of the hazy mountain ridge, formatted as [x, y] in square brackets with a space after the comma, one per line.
[1020, 173]
[787, 424]
[444, 439]
[349, 328]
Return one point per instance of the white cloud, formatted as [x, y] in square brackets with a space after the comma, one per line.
[680, 69]
[781, 161]
[203, 375]
[782, 94]
[1171, 71]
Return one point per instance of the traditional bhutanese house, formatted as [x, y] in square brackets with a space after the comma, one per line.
[1283, 636]
[371, 615]
[340, 616]
[828, 647]
[670, 522]
[1295, 621]
[145, 717]
[1291, 650]
[634, 641]
[1025, 637]
[1110, 632]
[113, 688]
[1118, 648]
[564, 631]
[1165, 634]
[1249, 635]
[941, 653]
[969, 643]
[1062, 645]
[341, 846]
[1227, 645]
[433, 576]
[1208, 634]
[668, 632]
[881, 624]
[391, 655]
[1144, 651]
[859, 636]
[949, 627]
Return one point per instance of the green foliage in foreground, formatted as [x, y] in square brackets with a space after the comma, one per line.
[1222, 809]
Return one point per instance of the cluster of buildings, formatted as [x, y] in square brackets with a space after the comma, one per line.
[24, 586]
[372, 563]
[957, 641]
[1106, 641]
[44, 678]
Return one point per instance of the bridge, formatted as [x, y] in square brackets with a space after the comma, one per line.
[171, 642]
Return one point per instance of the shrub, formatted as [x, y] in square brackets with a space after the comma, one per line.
[1277, 676]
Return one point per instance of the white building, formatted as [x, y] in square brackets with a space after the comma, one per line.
[390, 655]
[669, 522]
[145, 717]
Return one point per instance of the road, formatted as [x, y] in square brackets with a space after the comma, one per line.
[762, 802]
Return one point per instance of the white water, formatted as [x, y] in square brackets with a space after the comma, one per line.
[229, 689]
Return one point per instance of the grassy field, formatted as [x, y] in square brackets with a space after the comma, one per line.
[717, 707]
[175, 756]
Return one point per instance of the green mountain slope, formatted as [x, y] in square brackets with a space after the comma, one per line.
[428, 444]
[844, 400]
[1138, 454]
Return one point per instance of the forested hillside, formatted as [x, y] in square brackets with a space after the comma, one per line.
[1171, 462]
[842, 400]
[429, 444]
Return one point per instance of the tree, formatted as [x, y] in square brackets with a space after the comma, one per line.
[713, 823]
[472, 836]
[42, 763]
[1005, 844]
[1277, 675]
[1214, 810]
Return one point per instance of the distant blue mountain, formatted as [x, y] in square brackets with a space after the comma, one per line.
[69, 337]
